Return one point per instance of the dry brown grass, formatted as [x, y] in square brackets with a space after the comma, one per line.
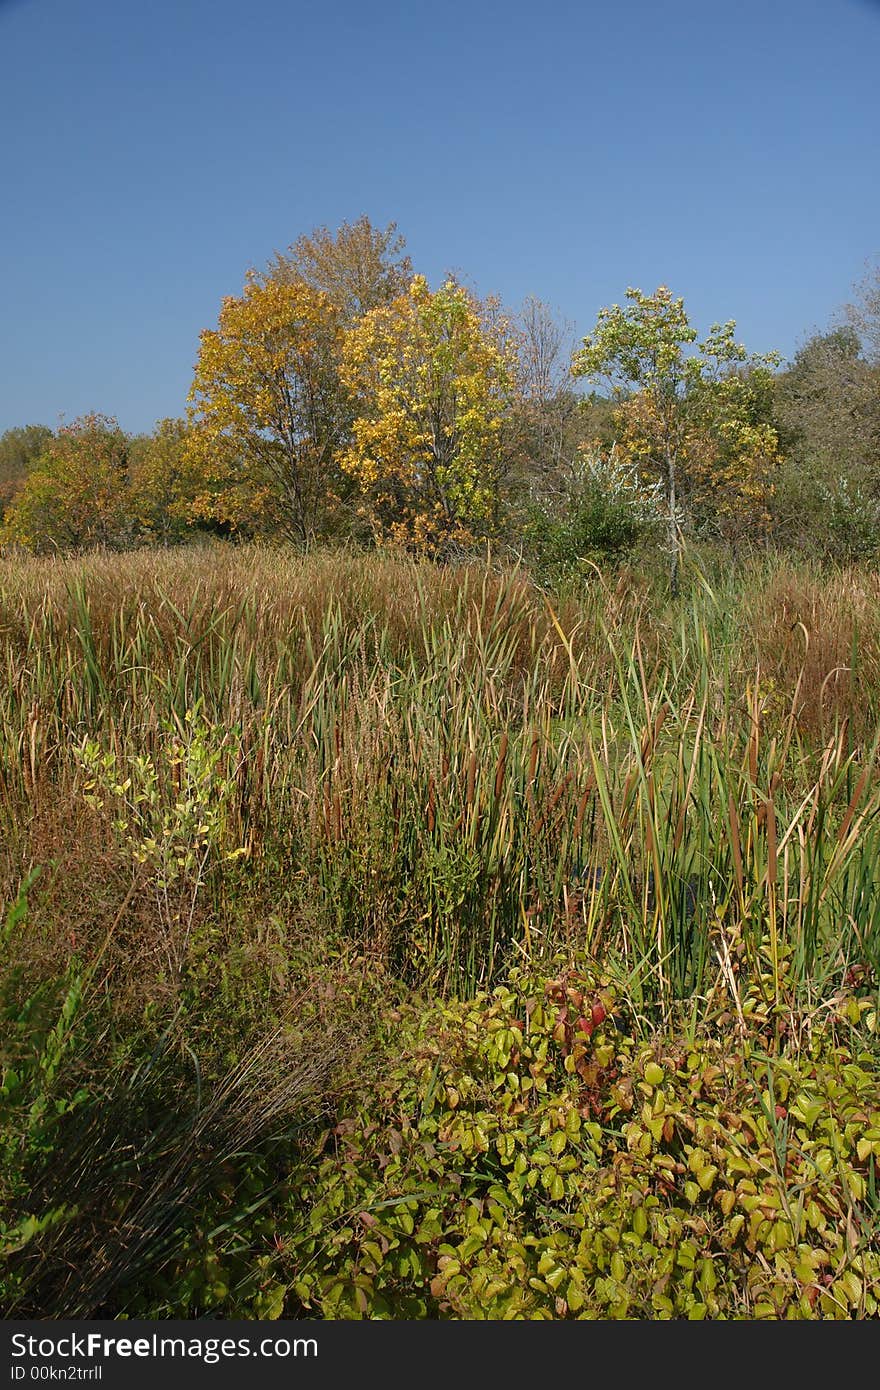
[819, 634]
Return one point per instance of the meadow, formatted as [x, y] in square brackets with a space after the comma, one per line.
[392, 939]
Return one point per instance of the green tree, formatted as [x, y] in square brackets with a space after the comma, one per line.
[160, 482]
[686, 416]
[828, 409]
[76, 493]
[828, 403]
[19, 448]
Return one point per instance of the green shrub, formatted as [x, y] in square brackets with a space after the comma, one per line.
[531, 1157]
[851, 515]
[600, 512]
[828, 513]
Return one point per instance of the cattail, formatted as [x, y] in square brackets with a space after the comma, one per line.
[854, 801]
[582, 806]
[471, 780]
[501, 765]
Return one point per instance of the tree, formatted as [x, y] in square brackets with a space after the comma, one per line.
[18, 449]
[359, 267]
[828, 408]
[828, 403]
[432, 377]
[547, 416]
[691, 419]
[864, 314]
[160, 481]
[76, 493]
[268, 414]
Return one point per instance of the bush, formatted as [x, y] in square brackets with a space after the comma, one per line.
[837, 518]
[531, 1157]
[852, 522]
[600, 513]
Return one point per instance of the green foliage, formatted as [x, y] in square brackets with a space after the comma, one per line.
[91, 484]
[528, 1156]
[339, 399]
[447, 780]
[641, 345]
[694, 419]
[851, 514]
[828, 491]
[160, 484]
[832, 513]
[827, 405]
[600, 512]
[39, 1033]
[134, 1161]
[170, 814]
[19, 448]
[75, 492]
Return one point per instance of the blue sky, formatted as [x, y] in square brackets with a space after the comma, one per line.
[151, 153]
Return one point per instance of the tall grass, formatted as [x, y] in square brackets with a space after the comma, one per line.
[451, 768]
[268, 794]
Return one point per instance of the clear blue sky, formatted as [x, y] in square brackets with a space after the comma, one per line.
[152, 152]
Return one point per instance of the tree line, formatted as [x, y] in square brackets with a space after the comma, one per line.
[341, 397]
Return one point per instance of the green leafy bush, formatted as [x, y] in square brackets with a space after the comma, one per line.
[828, 512]
[531, 1157]
[852, 521]
[600, 512]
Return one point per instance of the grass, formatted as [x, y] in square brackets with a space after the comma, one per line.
[271, 794]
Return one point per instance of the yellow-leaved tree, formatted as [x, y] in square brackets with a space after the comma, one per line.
[267, 412]
[432, 377]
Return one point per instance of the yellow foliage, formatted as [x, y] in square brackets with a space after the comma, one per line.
[726, 462]
[267, 412]
[431, 375]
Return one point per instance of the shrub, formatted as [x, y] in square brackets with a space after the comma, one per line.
[531, 1156]
[601, 512]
